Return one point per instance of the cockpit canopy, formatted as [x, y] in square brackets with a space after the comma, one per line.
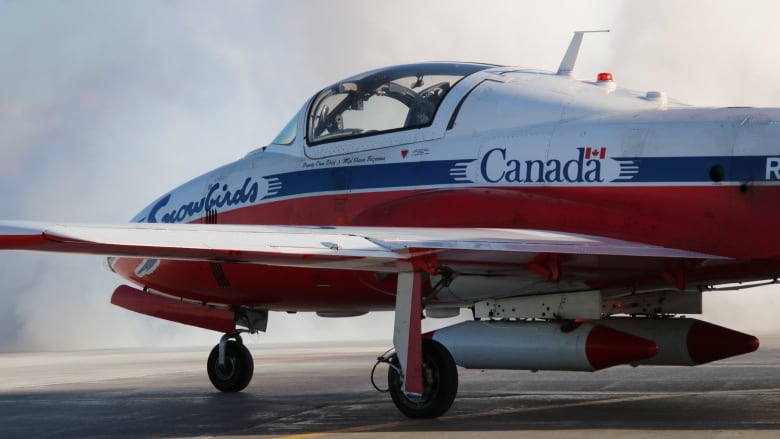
[380, 101]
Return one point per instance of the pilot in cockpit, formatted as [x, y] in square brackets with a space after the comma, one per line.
[331, 124]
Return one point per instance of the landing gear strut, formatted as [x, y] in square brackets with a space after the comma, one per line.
[440, 383]
[230, 365]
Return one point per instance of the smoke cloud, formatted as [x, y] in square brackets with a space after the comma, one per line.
[106, 105]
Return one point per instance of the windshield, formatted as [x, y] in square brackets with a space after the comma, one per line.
[288, 133]
[392, 99]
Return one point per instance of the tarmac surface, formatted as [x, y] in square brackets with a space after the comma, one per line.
[310, 391]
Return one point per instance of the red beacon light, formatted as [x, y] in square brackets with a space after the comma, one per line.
[604, 77]
[605, 82]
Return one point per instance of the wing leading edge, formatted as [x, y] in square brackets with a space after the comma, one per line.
[349, 248]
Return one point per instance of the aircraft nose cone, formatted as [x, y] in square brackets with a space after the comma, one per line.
[708, 342]
[606, 347]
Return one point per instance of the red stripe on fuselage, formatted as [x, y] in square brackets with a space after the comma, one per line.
[721, 220]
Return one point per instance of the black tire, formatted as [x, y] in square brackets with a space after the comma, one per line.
[440, 384]
[238, 370]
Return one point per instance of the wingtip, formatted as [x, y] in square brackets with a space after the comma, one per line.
[21, 235]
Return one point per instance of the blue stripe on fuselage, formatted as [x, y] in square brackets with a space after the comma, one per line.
[645, 170]
[391, 175]
[695, 169]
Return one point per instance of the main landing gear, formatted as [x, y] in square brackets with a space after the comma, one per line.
[423, 378]
[230, 365]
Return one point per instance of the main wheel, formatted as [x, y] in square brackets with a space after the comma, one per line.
[440, 383]
[237, 372]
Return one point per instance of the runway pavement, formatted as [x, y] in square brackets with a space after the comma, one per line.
[307, 391]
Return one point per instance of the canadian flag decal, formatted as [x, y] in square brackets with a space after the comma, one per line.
[596, 153]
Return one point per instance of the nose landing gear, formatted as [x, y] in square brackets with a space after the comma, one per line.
[230, 365]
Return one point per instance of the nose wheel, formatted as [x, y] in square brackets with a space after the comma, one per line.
[230, 365]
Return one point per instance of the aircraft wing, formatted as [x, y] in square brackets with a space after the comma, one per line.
[350, 248]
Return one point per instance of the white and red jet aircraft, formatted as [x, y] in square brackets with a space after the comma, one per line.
[546, 205]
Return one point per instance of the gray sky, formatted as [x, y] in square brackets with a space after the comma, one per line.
[106, 105]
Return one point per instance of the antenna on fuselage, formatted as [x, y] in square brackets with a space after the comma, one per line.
[570, 58]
